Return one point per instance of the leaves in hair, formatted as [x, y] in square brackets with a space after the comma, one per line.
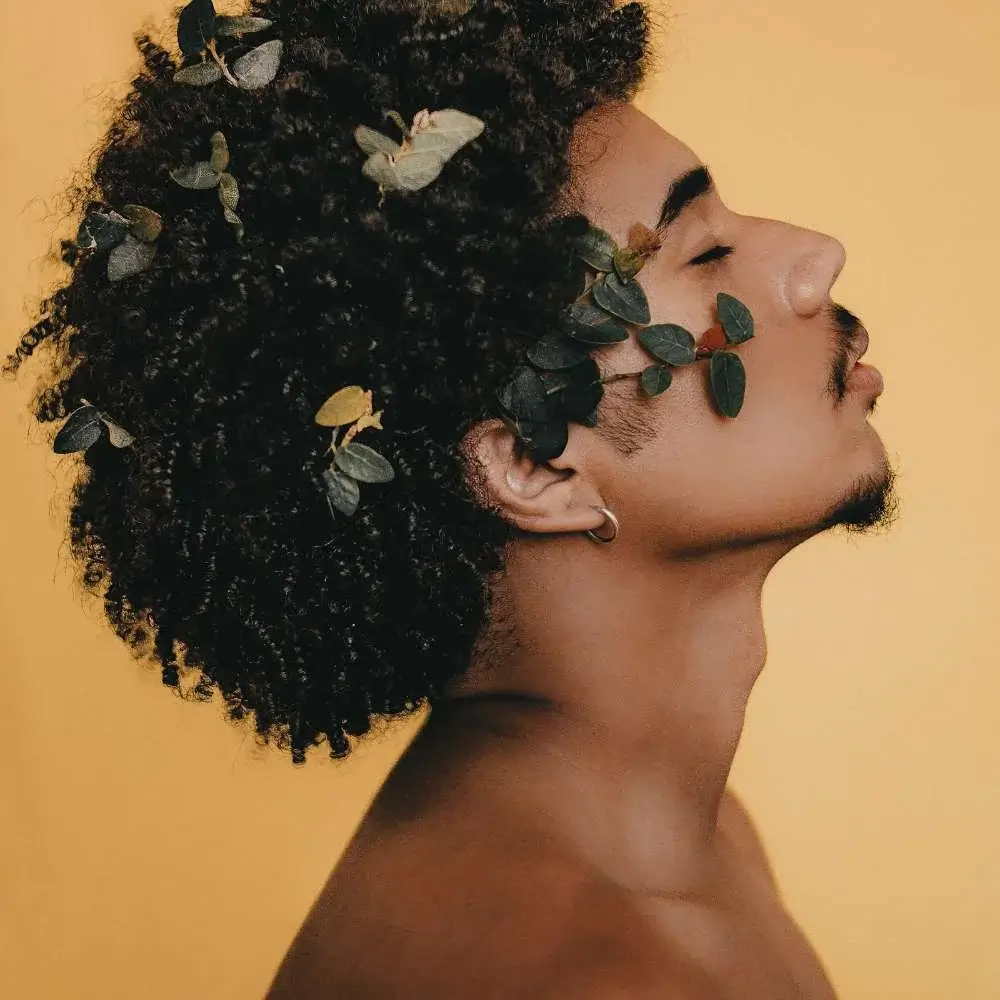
[144, 224]
[259, 66]
[353, 462]
[428, 144]
[130, 257]
[200, 176]
[211, 173]
[84, 426]
[363, 463]
[199, 75]
[372, 141]
[196, 27]
[344, 407]
[240, 26]
[128, 234]
[229, 195]
[342, 491]
[199, 30]
[102, 230]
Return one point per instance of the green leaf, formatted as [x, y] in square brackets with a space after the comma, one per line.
[582, 396]
[597, 336]
[729, 382]
[628, 263]
[239, 26]
[85, 238]
[130, 257]
[544, 441]
[379, 168]
[586, 312]
[259, 66]
[555, 382]
[107, 229]
[81, 430]
[416, 169]
[669, 343]
[372, 141]
[146, 225]
[446, 132]
[363, 463]
[342, 491]
[626, 300]
[199, 75]
[735, 317]
[219, 159]
[235, 221]
[597, 248]
[524, 396]
[117, 434]
[200, 176]
[555, 353]
[229, 191]
[656, 379]
[196, 26]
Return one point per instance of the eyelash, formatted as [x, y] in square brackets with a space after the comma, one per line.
[709, 256]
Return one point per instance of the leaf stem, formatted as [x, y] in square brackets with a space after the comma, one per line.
[701, 354]
[221, 63]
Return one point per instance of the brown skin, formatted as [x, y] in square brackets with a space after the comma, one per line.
[561, 827]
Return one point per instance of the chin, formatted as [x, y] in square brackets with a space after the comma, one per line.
[870, 504]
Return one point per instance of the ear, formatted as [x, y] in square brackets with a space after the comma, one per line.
[542, 498]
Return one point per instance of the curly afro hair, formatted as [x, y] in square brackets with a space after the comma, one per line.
[210, 540]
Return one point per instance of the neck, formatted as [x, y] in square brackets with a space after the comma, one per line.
[627, 682]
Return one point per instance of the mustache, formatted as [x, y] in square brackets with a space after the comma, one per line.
[847, 327]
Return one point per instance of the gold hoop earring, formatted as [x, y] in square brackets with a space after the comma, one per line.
[609, 518]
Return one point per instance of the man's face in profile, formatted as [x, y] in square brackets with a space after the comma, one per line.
[801, 455]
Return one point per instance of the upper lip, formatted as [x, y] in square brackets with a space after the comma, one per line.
[860, 349]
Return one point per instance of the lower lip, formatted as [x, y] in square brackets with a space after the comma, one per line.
[865, 378]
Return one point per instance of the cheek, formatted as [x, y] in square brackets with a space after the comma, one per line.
[779, 462]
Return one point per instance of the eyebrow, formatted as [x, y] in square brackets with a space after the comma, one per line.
[686, 189]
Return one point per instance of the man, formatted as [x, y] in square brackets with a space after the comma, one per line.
[570, 576]
[561, 827]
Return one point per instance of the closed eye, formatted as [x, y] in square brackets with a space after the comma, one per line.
[716, 253]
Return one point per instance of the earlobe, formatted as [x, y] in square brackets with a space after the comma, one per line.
[535, 496]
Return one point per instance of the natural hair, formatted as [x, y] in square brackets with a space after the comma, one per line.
[210, 540]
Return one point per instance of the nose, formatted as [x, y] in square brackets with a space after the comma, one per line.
[815, 267]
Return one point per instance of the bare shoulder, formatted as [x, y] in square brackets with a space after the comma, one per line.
[459, 909]
[449, 906]
[738, 827]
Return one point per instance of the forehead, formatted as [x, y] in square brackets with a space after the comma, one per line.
[623, 165]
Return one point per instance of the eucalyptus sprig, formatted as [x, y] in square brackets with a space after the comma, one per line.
[199, 32]
[428, 144]
[128, 234]
[213, 173]
[562, 383]
[353, 462]
[85, 425]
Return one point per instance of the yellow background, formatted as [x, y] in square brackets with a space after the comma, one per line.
[149, 850]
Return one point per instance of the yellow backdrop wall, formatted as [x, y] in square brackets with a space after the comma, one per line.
[149, 850]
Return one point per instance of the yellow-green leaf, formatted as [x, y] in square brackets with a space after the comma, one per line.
[344, 407]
